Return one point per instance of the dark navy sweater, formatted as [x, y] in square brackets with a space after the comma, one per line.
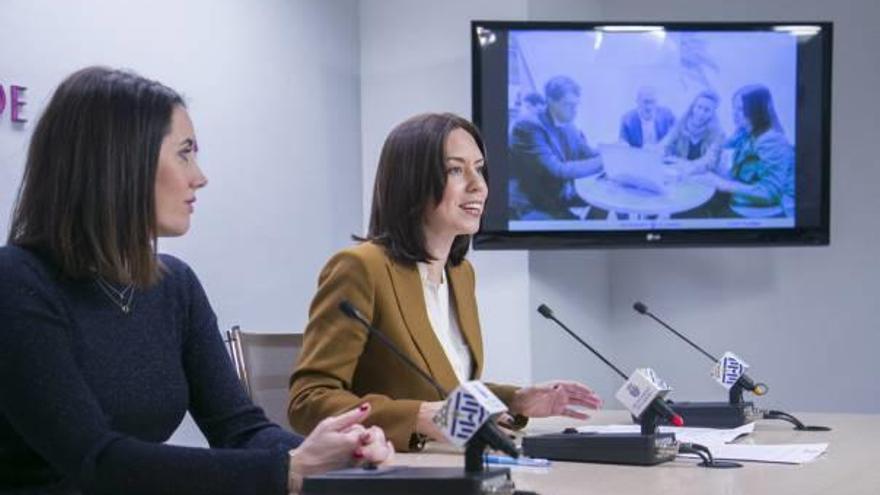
[88, 394]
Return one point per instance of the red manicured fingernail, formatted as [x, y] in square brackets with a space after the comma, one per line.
[358, 453]
[364, 406]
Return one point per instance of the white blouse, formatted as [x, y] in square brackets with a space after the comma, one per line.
[444, 321]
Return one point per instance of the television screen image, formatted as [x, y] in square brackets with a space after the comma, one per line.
[628, 134]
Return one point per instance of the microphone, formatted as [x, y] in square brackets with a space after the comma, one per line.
[466, 417]
[642, 395]
[729, 361]
[729, 371]
[472, 425]
[657, 404]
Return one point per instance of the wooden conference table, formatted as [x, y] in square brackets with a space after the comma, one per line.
[848, 467]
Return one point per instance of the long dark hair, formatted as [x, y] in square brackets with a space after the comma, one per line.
[758, 109]
[87, 197]
[411, 177]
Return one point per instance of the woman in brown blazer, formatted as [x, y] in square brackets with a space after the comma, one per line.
[411, 280]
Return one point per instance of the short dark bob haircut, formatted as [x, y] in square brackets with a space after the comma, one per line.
[411, 177]
[87, 199]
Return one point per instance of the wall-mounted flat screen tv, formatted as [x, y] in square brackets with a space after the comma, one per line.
[653, 134]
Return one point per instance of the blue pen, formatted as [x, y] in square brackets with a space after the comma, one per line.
[520, 461]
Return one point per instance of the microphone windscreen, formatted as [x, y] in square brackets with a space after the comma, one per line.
[640, 307]
[545, 311]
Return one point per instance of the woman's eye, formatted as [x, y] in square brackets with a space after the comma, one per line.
[454, 171]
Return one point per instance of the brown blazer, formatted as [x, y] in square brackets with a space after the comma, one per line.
[339, 367]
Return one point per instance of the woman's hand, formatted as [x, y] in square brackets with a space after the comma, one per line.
[425, 422]
[338, 442]
[553, 399]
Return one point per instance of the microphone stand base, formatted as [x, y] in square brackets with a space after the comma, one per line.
[608, 448]
[716, 414]
[406, 480]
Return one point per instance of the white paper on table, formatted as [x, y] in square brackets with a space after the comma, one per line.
[708, 436]
[703, 436]
[796, 453]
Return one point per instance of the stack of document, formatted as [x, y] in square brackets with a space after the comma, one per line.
[719, 443]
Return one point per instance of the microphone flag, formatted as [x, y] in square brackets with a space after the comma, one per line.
[466, 409]
[728, 369]
[640, 390]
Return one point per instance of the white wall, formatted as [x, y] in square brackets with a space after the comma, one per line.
[803, 317]
[415, 58]
[273, 90]
[576, 286]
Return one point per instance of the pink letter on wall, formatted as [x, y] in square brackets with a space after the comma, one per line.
[15, 97]
[2, 99]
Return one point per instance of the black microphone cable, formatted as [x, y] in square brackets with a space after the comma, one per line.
[705, 454]
[798, 425]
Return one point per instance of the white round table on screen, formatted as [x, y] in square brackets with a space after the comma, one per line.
[618, 198]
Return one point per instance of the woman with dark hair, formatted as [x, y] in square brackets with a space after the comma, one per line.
[740, 124]
[411, 280]
[105, 344]
[760, 182]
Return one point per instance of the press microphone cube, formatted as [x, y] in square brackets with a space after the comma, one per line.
[466, 409]
[729, 369]
[640, 390]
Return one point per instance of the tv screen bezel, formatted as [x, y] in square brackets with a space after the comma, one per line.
[586, 239]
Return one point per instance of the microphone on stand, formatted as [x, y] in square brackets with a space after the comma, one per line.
[642, 394]
[469, 410]
[730, 372]
[466, 419]
[658, 405]
[744, 382]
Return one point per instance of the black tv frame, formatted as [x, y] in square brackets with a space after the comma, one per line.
[591, 239]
